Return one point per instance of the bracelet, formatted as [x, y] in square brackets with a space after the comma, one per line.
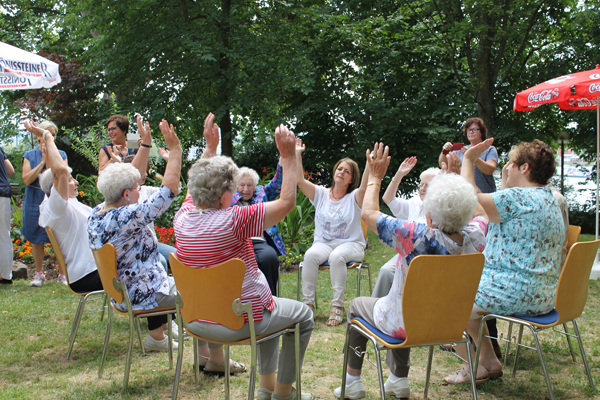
[45, 132]
[146, 145]
[374, 183]
[397, 183]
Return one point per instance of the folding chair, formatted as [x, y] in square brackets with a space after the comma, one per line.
[213, 294]
[437, 300]
[357, 265]
[571, 296]
[106, 261]
[82, 296]
[573, 235]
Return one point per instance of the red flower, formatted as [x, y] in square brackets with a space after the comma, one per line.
[264, 169]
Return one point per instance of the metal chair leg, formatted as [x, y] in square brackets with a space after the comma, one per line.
[139, 334]
[106, 339]
[179, 361]
[369, 275]
[299, 280]
[583, 356]
[129, 352]
[472, 368]
[508, 338]
[569, 342]
[429, 361]
[539, 348]
[76, 322]
[196, 361]
[104, 306]
[226, 364]
[345, 367]
[358, 282]
[298, 368]
[169, 334]
[514, 373]
[379, 370]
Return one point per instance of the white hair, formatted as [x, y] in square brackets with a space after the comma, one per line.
[245, 171]
[429, 172]
[450, 201]
[47, 180]
[115, 179]
[45, 124]
[209, 178]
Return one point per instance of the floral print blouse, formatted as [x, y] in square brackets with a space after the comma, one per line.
[522, 257]
[411, 239]
[138, 262]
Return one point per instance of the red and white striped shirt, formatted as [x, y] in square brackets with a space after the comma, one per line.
[211, 237]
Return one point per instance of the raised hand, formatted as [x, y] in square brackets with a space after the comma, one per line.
[32, 127]
[163, 153]
[144, 130]
[453, 165]
[299, 146]
[406, 166]
[378, 160]
[286, 142]
[211, 135]
[447, 146]
[171, 139]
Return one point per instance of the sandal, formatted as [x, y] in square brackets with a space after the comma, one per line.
[493, 375]
[462, 376]
[336, 317]
[202, 361]
[212, 368]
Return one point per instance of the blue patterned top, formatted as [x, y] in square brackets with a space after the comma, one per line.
[263, 194]
[138, 259]
[522, 256]
[411, 239]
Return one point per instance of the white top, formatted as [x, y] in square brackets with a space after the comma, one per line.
[410, 210]
[145, 193]
[337, 222]
[68, 221]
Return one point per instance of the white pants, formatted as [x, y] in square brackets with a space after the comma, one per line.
[385, 278]
[6, 251]
[338, 257]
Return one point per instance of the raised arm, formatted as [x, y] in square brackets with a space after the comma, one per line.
[276, 210]
[406, 166]
[305, 186]
[273, 188]
[360, 193]
[140, 161]
[447, 147]
[30, 174]
[211, 135]
[378, 162]
[173, 169]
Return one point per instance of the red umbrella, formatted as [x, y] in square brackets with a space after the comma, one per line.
[578, 91]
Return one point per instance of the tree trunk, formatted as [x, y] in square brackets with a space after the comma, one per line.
[225, 87]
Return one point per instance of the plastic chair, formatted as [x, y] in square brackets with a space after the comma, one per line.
[82, 296]
[438, 297]
[571, 296]
[106, 261]
[573, 236]
[213, 294]
[357, 265]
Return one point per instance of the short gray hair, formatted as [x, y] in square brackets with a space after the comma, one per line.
[245, 171]
[209, 178]
[429, 172]
[450, 201]
[115, 179]
[47, 180]
[45, 124]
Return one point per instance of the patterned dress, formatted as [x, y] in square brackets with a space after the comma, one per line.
[522, 257]
[138, 262]
[411, 239]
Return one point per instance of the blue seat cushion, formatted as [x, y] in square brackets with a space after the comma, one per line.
[545, 319]
[378, 333]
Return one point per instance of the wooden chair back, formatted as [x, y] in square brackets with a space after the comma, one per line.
[106, 261]
[58, 252]
[208, 293]
[573, 235]
[364, 227]
[572, 289]
[438, 297]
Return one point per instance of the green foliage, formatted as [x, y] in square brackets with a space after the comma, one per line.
[298, 226]
[16, 217]
[88, 190]
[165, 220]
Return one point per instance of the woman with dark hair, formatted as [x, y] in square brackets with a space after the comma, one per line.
[338, 232]
[117, 127]
[476, 132]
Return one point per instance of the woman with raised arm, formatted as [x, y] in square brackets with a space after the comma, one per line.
[117, 127]
[122, 221]
[339, 237]
[524, 244]
[34, 163]
[210, 232]
[455, 224]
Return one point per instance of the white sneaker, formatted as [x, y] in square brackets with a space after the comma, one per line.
[62, 279]
[174, 331]
[152, 344]
[38, 279]
[355, 390]
[400, 388]
[292, 396]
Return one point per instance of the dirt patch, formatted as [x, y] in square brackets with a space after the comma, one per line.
[50, 268]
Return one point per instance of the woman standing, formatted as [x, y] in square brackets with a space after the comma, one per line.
[117, 127]
[6, 171]
[34, 163]
[339, 236]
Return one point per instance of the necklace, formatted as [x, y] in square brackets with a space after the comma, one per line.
[335, 198]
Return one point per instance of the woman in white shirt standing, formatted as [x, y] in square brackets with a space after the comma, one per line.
[338, 233]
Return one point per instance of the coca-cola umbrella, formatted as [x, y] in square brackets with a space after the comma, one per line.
[578, 91]
[20, 69]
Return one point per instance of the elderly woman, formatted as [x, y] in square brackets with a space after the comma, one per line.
[6, 171]
[209, 233]
[339, 238]
[449, 205]
[524, 244]
[122, 221]
[117, 127]
[269, 246]
[34, 163]
[410, 210]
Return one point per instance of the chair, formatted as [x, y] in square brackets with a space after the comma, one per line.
[106, 261]
[213, 294]
[571, 296]
[82, 296]
[573, 235]
[439, 292]
[358, 265]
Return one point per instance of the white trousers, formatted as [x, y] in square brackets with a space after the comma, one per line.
[6, 251]
[338, 257]
[385, 278]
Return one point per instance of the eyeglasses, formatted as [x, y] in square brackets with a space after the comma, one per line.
[136, 187]
[112, 128]
[473, 130]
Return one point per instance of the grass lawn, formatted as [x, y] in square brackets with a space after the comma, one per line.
[36, 323]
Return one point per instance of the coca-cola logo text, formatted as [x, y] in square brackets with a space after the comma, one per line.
[594, 87]
[544, 95]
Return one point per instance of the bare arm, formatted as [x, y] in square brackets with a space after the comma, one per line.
[140, 161]
[10, 170]
[489, 207]
[211, 135]
[173, 169]
[276, 210]
[305, 186]
[377, 167]
[442, 159]
[360, 193]
[30, 174]
[503, 184]
[487, 167]
[406, 166]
